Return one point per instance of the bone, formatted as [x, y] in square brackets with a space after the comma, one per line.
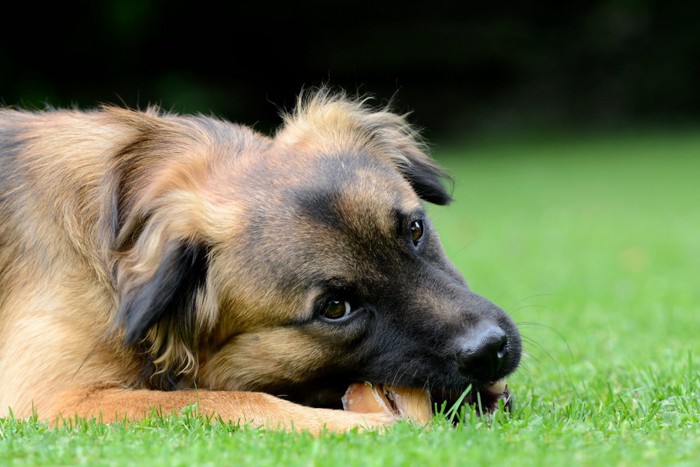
[405, 403]
[497, 387]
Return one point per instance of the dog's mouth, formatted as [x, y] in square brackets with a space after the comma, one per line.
[419, 405]
[484, 399]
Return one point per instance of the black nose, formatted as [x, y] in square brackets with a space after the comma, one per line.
[482, 353]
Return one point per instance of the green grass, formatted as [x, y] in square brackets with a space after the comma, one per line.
[593, 246]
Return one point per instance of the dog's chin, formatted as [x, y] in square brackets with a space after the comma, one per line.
[321, 396]
[485, 399]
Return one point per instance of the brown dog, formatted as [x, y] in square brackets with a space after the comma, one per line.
[149, 260]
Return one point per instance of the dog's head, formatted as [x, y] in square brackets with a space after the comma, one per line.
[299, 264]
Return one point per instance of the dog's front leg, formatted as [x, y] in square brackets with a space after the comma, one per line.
[251, 408]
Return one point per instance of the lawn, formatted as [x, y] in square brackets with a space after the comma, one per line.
[593, 245]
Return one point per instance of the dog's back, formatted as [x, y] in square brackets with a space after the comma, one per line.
[51, 200]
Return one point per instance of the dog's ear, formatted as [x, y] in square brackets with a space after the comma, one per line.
[167, 296]
[163, 303]
[326, 121]
[425, 176]
[159, 239]
[428, 181]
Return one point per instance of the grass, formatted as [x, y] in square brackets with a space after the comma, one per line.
[593, 245]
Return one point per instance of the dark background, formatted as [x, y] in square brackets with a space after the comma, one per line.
[461, 67]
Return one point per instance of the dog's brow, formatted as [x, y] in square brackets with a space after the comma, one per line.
[402, 217]
[318, 204]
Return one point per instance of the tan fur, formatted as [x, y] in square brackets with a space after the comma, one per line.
[169, 180]
[325, 121]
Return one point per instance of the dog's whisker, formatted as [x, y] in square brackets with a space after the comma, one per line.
[551, 329]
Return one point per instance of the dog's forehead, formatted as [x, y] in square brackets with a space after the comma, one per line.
[308, 220]
[357, 198]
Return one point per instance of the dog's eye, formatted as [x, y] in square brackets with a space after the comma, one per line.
[416, 229]
[336, 309]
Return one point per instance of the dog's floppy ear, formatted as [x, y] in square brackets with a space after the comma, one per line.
[160, 252]
[163, 302]
[425, 176]
[326, 121]
[166, 297]
[427, 180]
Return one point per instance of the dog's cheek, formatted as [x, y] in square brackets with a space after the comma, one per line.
[265, 359]
[435, 253]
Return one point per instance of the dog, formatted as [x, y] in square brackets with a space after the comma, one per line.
[151, 261]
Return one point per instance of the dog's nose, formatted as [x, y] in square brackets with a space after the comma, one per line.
[483, 352]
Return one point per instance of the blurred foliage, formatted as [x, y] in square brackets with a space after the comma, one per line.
[458, 65]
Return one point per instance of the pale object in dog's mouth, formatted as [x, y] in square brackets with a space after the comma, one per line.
[497, 388]
[405, 403]
[409, 403]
